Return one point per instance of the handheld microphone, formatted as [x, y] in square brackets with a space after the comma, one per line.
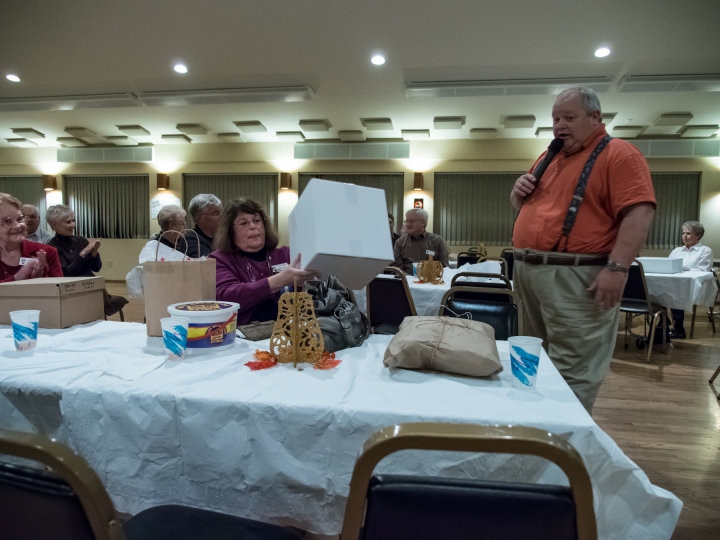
[555, 146]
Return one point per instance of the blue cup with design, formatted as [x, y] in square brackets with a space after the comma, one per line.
[25, 324]
[524, 360]
[175, 332]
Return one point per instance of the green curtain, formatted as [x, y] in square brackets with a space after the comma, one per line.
[29, 189]
[262, 188]
[678, 201]
[471, 208]
[393, 184]
[109, 206]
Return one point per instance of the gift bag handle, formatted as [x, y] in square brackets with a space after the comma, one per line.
[157, 248]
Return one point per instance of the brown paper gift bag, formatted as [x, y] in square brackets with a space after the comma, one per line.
[170, 282]
[451, 345]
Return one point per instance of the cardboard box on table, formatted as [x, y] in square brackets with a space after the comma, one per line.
[661, 265]
[63, 302]
[341, 230]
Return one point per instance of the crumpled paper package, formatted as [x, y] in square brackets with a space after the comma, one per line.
[451, 345]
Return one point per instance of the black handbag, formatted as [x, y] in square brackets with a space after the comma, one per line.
[342, 324]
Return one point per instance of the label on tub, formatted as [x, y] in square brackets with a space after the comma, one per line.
[207, 335]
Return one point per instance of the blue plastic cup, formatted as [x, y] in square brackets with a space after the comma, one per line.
[524, 360]
[25, 328]
[175, 332]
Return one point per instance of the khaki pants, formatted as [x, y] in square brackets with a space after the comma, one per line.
[578, 337]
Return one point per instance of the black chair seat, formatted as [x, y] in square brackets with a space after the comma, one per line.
[631, 305]
[386, 329]
[420, 508]
[173, 522]
[501, 316]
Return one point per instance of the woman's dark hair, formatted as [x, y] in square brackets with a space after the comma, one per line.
[224, 240]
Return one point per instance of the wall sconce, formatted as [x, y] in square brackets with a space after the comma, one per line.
[163, 181]
[285, 180]
[418, 181]
[49, 182]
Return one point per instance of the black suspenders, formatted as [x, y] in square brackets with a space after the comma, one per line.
[579, 194]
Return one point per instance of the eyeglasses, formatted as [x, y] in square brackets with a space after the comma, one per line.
[244, 224]
[215, 213]
[8, 222]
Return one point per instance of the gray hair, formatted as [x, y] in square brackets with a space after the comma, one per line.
[168, 214]
[56, 213]
[695, 227]
[421, 213]
[29, 207]
[588, 97]
[199, 202]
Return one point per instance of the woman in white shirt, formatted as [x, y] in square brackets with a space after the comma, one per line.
[695, 256]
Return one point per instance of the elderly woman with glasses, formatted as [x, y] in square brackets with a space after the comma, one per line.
[20, 258]
[251, 268]
[695, 256]
[171, 219]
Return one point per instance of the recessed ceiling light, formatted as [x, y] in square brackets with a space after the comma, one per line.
[602, 52]
[180, 68]
[15, 78]
[378, 60]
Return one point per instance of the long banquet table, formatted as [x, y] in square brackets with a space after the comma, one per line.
[279, 445]
[683, 290]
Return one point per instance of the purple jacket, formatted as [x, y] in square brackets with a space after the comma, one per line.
[234, 283]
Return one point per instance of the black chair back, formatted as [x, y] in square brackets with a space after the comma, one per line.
[407, 507]
[388, 303]
[425, 508]
[504, 317]
[467, 257]
[509, 255]
[635, 293]
[504, 284]
[39, 504]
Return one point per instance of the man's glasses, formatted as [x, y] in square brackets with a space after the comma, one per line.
[8, 222]
[244, 224]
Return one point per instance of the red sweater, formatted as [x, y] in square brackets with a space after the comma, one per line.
[29, 249]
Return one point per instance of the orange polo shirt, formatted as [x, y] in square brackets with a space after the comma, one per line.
[620, 178]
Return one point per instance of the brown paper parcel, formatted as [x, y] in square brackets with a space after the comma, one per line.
[452, 345]
[170, 282]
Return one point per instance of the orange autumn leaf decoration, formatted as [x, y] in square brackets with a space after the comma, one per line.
[327, 361]
[264, 360]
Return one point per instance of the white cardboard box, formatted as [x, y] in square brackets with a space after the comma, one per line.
[62, 302]
[661, 265]
[341, 230]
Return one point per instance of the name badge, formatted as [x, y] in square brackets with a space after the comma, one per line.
[429, 252]
[26, 260]
[277, 268]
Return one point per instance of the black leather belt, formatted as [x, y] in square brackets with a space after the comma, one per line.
[577, 259]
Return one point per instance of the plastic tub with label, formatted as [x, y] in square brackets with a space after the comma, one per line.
[212, 324]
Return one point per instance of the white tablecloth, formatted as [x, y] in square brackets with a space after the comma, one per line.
[279, 445]
[682, 290]
[428, 297]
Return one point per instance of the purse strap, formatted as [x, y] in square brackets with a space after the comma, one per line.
[579, 194]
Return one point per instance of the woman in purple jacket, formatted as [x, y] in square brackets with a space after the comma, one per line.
[251, 270]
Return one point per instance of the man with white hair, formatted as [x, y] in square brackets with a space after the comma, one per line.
[35, 233]
[413, 246]
[205, 210]
[577, 232]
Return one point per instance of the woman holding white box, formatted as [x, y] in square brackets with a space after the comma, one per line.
[695, 256]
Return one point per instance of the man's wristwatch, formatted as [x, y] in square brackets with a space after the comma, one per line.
[615, 267]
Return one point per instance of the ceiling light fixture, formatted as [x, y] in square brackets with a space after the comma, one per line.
[602, 52]
[418, 181]
[49, 182]
[180, 68]
[285, 180]
[163, 182]
[378, 60]
[15, 78]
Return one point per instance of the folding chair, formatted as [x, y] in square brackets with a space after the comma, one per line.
[636, 301]
[388, 302]
[468, 257]
[711, 311]
[69, 502]
[504, 316]
[509, 255]
[503, 284]
[425, 508]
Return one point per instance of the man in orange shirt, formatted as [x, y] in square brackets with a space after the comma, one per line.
[577, 233]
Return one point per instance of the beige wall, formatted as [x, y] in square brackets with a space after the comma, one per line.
[503, 155]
